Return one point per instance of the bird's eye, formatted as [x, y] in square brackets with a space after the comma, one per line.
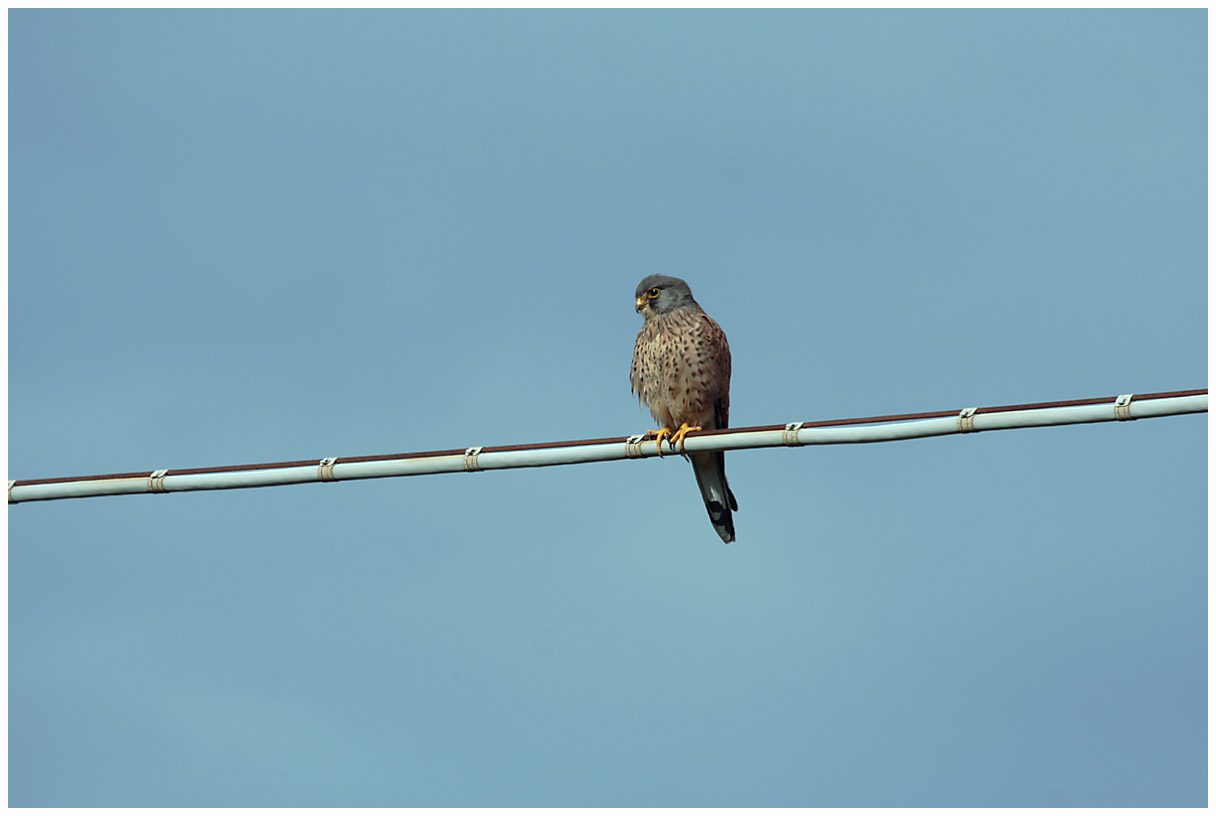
[653, 293]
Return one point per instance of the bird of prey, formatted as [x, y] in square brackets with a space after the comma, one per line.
[681, 370]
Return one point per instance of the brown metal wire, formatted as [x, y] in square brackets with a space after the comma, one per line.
[823, 423]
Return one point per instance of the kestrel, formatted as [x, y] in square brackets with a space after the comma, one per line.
[681, 370]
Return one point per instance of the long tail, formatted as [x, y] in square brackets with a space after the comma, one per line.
[710, 470]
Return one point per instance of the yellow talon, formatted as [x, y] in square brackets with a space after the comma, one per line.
[677, 438]
[659, 435]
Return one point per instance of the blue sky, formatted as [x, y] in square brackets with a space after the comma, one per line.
[244, 236]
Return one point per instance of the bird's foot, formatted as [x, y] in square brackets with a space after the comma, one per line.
[684, 430]
[659, 435]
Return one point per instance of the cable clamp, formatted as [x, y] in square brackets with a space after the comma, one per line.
[790, 435]
[966, 420]
[1123, 406]
[470, 460]
[325, 469]
[633, 446]
[156, 481]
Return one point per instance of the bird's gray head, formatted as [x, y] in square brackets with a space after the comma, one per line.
[660, 294]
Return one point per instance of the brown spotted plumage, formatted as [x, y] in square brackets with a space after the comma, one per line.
[681, 370]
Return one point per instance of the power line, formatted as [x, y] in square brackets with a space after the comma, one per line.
[541, 454]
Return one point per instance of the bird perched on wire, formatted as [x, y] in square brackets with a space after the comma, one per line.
[681, 370]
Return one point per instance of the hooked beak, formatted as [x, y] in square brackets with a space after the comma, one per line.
[639, 304]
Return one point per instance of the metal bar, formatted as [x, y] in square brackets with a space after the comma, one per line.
[823, 432]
